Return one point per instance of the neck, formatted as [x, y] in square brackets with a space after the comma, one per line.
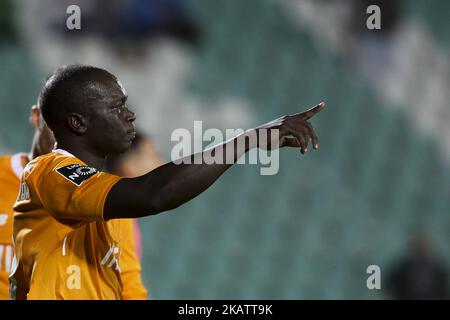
[83, 153]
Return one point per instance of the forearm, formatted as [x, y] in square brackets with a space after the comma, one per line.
[183, 180]
[175, 183]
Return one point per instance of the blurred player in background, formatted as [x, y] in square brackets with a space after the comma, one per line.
[139, 159]
[67, 234]
[421, 274]
[11, 168]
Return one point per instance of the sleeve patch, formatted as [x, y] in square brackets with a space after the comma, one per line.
[76, 173]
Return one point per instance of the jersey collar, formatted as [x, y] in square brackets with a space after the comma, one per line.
[16, 163]
[64, 152]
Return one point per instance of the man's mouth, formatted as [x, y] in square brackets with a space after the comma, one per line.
[131, 134]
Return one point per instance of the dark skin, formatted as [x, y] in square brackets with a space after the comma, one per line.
[105, 126]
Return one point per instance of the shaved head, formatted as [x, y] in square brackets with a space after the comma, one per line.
[85, 105]
[71, 89]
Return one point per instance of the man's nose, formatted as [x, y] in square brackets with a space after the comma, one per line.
[131, 116]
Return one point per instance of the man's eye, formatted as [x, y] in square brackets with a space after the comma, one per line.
[119, 109]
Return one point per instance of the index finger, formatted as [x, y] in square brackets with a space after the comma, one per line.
[311, 112]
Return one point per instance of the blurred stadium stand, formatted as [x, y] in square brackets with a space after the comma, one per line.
[434, 15]
[20, 81]
[325, 217]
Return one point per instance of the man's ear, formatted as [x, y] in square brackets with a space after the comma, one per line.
[77, 123]
[35, 115]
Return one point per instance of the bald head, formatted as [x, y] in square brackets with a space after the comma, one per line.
[74, 89]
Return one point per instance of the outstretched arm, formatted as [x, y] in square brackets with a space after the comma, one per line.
[171, 185]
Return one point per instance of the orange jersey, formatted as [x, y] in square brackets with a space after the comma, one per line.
[133, 289]
[11, 168]
[63, 247]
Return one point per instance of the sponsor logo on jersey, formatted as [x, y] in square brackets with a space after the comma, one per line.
[76, 173]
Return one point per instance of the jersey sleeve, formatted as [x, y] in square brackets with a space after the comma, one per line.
[73, 192]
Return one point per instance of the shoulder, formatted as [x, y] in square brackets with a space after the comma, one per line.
[48, 163]
[60, 169]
